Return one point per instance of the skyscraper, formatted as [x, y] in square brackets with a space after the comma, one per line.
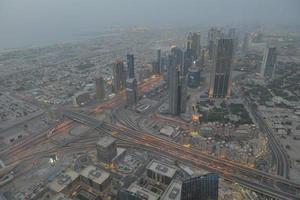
[178, 56]
[204, 187]
[176, 86]
[269, 62]
[127, 195]
[220, 83]
[100, 91]
[246, 42]
[130, 64]
[131, 83]
[131, 91]
[213, 35]
[119, 76]
[196, 46]
[233, 35]
[158, 62]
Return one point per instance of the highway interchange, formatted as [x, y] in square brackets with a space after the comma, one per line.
[259, 181]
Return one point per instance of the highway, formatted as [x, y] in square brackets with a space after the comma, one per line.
[227, 169]
[279, 154]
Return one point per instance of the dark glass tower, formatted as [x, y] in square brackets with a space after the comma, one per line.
[269, 62]
[201, 188]
[130, 64]
[220, 83]
[119, 76]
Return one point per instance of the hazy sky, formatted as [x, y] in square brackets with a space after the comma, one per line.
[30, 22]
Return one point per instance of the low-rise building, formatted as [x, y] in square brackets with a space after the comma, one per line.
[173, 191]
[64, 182]
[96, 178]
[160, 172]
[143, 192]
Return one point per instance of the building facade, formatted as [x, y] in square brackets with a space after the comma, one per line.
[119, 75]
[204, 187]
[269, 62]
[106, 149]
[220, 82]
[100, 90]
[130, 65]
[131, 91]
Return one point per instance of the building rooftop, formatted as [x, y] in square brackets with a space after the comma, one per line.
[60, 196]
[167, 130]
[95, 174]
[161, 168]
[105, 141]
[173, 192]
[143, 192]
[63, 180]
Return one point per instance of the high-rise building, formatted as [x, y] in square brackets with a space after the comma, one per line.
[183, 94]
[130, 64]
[100, 91]
[106, 149]
[213, 35]
[178, 57]
[119, 76]
[233, 35]
[158, 63]
[220, 82]
[196, 45]
[176, 85]
[127, 195]
[204, 187]
[269, 62]
[193, 80]
[131, 91]
[246, 42]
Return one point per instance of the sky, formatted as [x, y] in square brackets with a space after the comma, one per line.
[34, 22]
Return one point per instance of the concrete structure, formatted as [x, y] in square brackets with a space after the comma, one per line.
[127, 195]
[269, 62]
[173, 191]
[119, 76]
[157, 65]
[201, 188]
[60, 196]
[160, 172]
[167, 131]
[143, 192]
[96, 178]
[131, 91]
[220, 82]
[81, 98]
[64, 182]
[106, 149]
[100, 91]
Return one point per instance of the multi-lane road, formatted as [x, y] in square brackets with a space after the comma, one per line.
[251, 178]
